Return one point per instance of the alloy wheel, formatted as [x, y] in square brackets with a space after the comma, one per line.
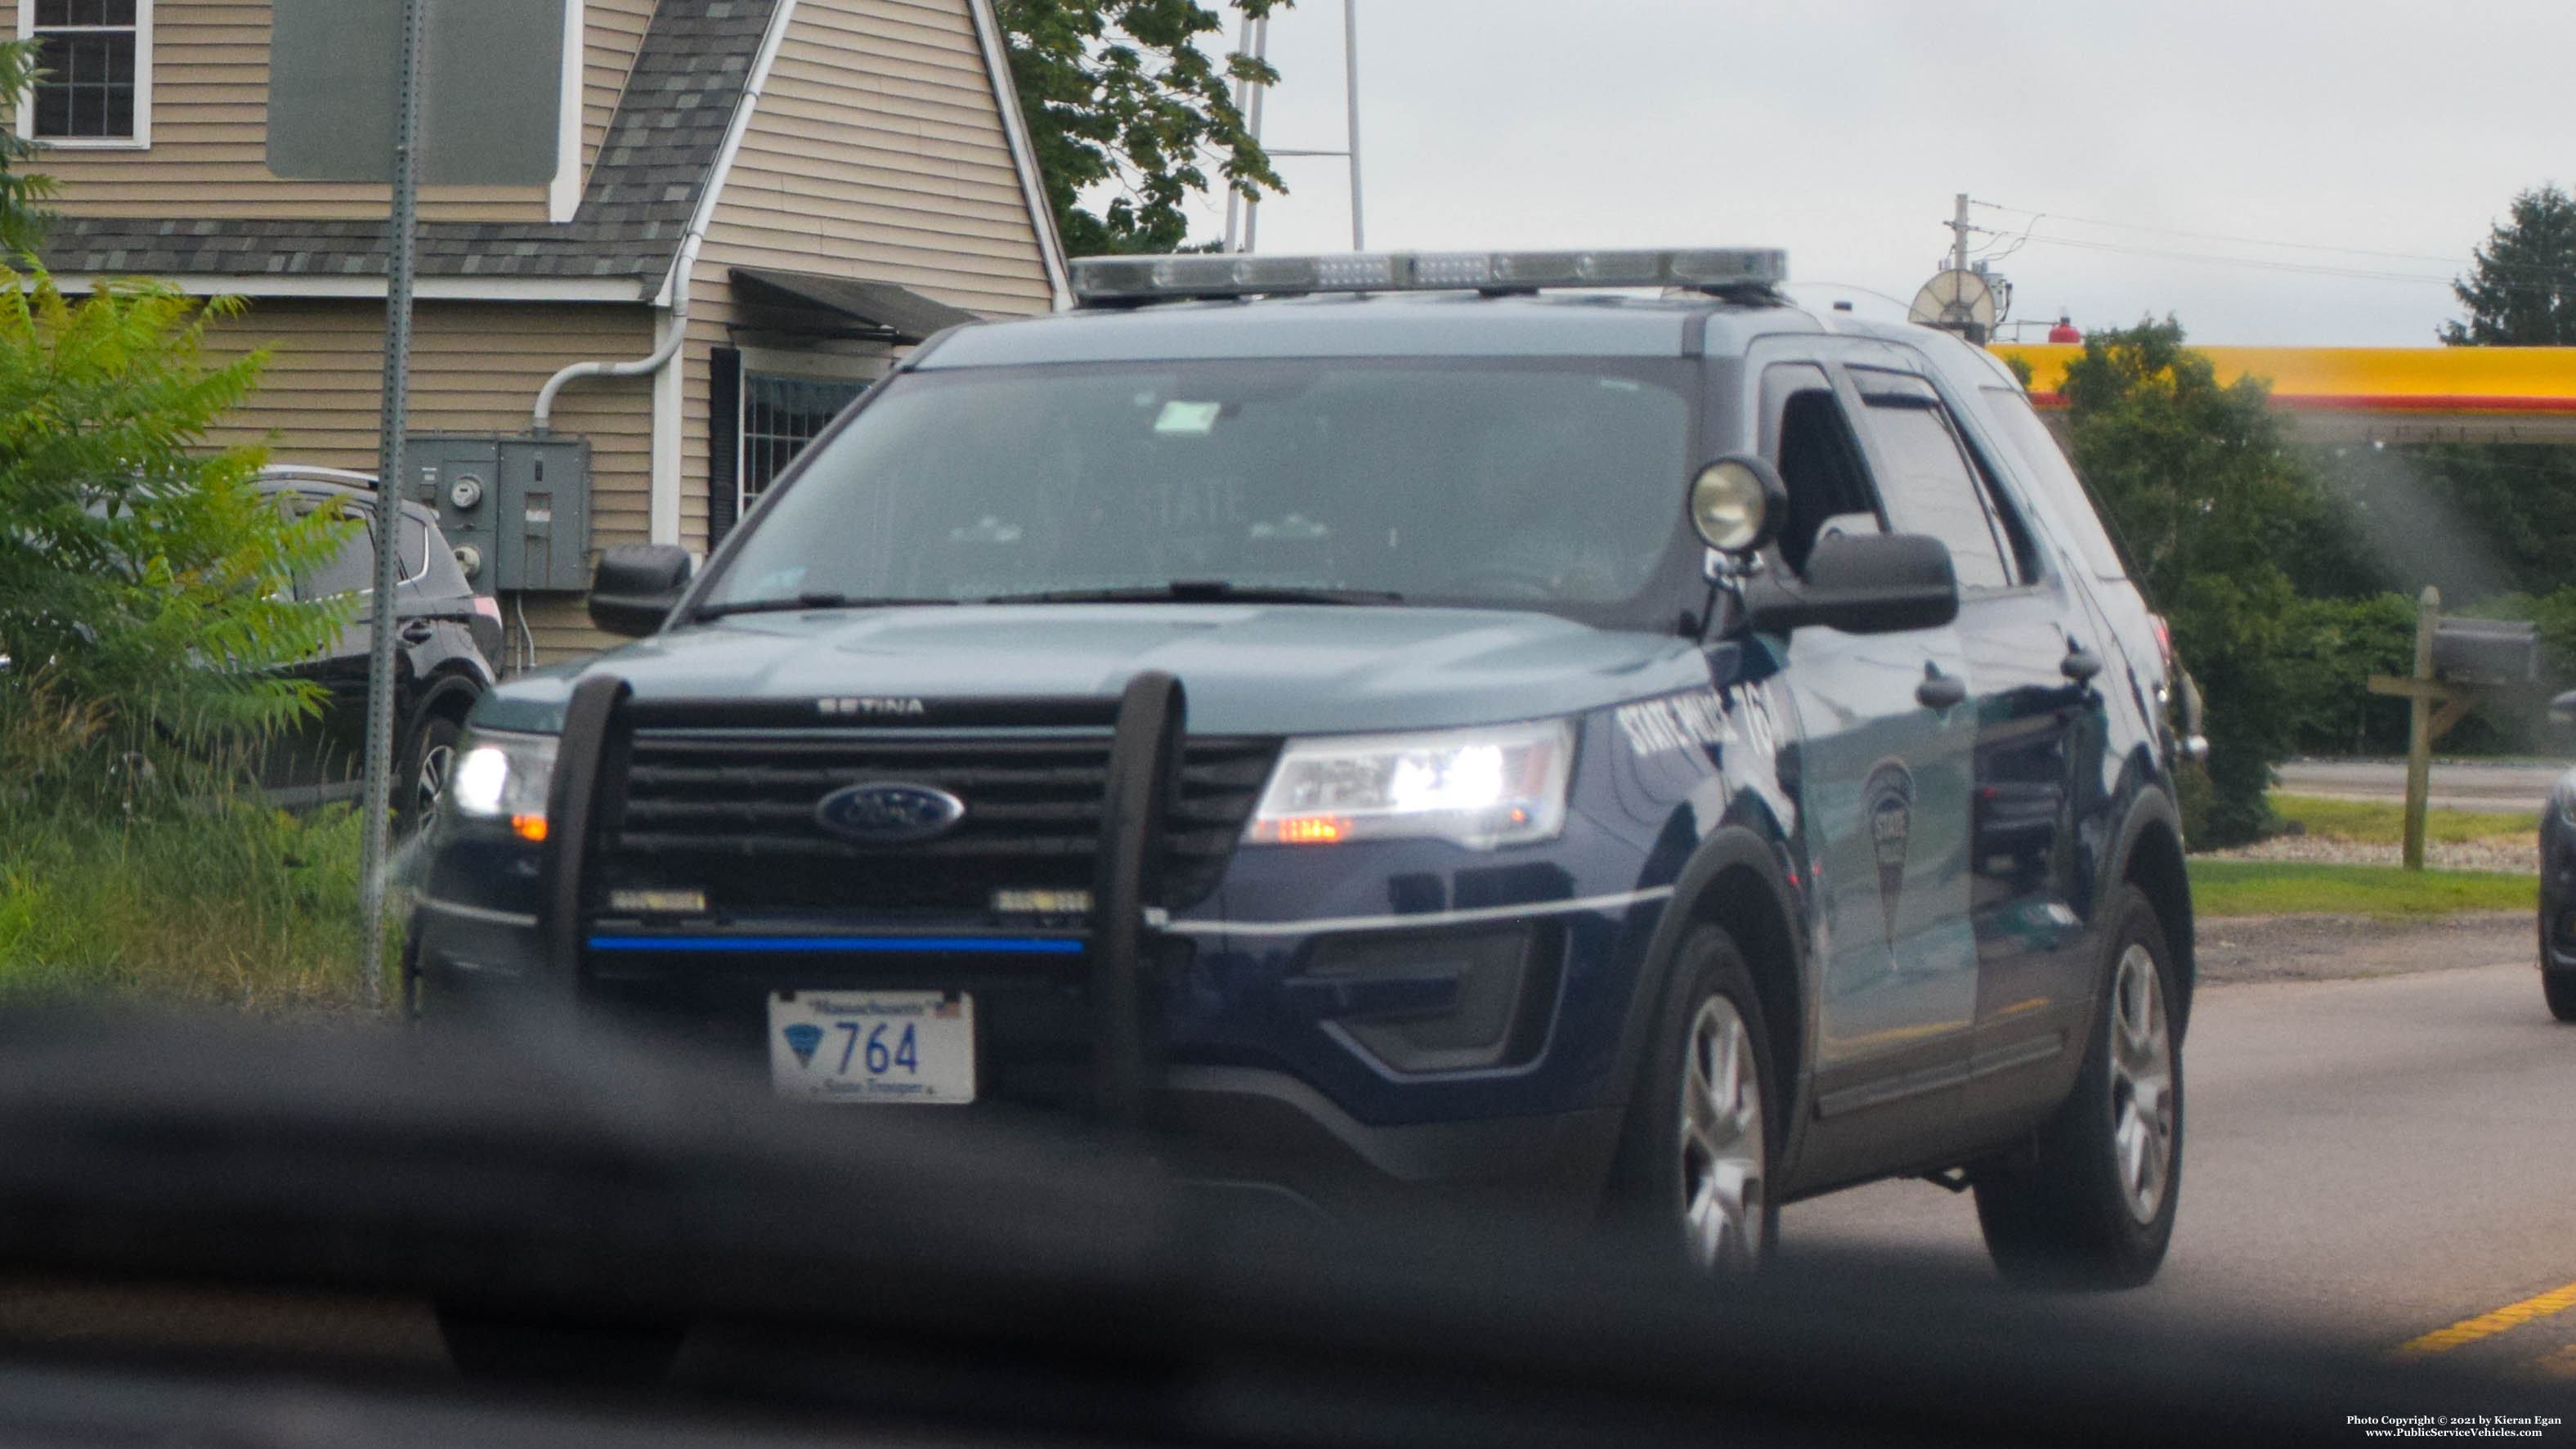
[2142, 1077]
[432, 783]
[1722, 1203]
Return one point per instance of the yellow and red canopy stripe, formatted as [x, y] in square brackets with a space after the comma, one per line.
[2493, 380]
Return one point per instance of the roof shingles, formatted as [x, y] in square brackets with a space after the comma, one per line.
[662, 142]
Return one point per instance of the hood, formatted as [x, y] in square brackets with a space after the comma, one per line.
[1246, 668]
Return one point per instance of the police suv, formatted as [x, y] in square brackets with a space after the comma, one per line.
[1564, 720]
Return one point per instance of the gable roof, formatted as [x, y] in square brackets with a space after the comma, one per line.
[670, 123]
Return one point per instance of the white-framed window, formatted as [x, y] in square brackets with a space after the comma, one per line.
[789, 397]
[96, 90]
[780, 415]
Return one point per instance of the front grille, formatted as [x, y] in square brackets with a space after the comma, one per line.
[731, 812]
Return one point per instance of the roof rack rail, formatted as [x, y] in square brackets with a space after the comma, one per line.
[1747, 272]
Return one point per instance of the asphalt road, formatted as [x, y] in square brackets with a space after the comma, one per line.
[2456, 785]
[2365, 1161]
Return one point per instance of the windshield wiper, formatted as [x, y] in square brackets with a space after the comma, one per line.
[1198, 591]
[816, 600]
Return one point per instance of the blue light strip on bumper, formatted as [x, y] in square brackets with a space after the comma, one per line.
[1004, 945]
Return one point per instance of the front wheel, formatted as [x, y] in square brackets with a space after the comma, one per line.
[2559, 989]
[420, 781]
[2093, 1206]
[1695, 1164]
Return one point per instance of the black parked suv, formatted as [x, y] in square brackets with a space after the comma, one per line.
[447, 638]
[1398, 718]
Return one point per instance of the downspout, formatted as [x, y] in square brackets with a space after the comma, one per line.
[675, 287]
[675, 332]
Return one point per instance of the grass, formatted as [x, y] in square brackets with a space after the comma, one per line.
[2374, 822]
[233, 903]
[2266, 888]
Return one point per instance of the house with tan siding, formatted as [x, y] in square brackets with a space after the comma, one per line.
[779, 195]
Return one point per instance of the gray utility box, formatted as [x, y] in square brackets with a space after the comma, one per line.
[516, 509]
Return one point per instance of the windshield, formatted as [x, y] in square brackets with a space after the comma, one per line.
[1520, 482]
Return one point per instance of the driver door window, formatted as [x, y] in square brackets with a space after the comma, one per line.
[1810, 441]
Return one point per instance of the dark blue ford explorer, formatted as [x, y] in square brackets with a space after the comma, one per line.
[1428, 718]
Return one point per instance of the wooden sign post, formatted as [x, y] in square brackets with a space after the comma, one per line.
[2457, 662]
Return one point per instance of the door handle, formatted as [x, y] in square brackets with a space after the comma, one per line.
[2080, 663]
[419, 631]
[1938, 690]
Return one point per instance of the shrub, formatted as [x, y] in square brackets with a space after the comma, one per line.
[145, 582]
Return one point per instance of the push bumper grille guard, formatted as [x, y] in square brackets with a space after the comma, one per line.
[1143, 777]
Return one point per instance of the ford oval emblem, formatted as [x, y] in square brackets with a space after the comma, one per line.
[888, 814]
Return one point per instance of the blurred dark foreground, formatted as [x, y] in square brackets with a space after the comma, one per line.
[626, 1246]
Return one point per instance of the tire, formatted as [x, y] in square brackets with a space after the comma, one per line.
[421, 780]
[2092, 1206]
[1695, 1157]
[2559, 988]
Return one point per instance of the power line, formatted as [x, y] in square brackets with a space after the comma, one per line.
[2258, 263]
[2037, 216]
[2482, 266]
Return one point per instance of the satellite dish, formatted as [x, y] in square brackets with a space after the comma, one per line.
[1959, 301]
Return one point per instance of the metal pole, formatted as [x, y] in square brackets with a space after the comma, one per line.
[1351, 98]
[1959, 236]
[1252, 123]
[1242, 99]
[2419, 727]
[399, 243]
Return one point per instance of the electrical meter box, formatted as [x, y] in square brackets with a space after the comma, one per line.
[515, 509]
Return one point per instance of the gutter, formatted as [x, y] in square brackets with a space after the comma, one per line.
[675, 287]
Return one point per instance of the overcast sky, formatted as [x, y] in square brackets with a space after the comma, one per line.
[1841, 130]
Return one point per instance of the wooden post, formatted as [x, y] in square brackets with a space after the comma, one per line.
[2419, 727]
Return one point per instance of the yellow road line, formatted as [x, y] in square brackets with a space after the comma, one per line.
[2488, 1325]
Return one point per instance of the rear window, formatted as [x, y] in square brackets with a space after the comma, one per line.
[2058, 491]
[415, 548]
[349, 571]
[1929, 485]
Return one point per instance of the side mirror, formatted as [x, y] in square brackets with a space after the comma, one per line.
[1738, 504]
[637, 586]
[1874, 583]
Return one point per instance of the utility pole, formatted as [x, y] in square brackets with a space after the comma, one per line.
[400, 241]
[1260, 32]
[1351, 98]
[1959, 235]
[1257, 41]
[1243, 106]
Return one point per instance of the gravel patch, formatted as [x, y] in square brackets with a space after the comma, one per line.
[2236, 949]
[2518, 855]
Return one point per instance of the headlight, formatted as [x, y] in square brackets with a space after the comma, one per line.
[1500, 785]
[504, 777]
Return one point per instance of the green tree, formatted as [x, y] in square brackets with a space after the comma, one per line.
[145, 581]
[2200, 484]
[1120, 97]
[146, 594]
[2521, 286]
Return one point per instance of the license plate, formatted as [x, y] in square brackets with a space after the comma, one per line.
[873, 1046]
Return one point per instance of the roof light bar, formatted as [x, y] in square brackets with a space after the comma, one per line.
[1099, 280]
